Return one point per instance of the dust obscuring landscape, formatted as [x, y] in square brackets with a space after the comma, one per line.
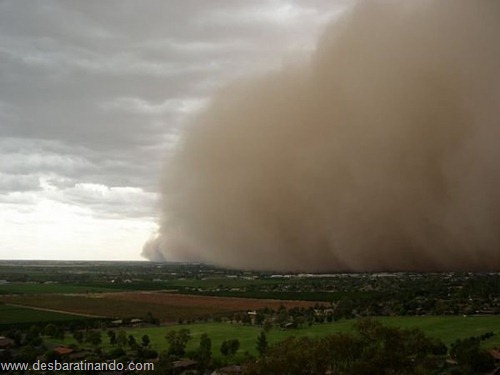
[379, 153]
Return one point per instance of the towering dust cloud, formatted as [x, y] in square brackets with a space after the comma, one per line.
[381, 153]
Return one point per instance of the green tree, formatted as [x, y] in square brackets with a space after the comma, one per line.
[177, 341]
[145, 341]
[343, 309]
[121, 339]
[165, 364]
[268, 325]
[27, 354]
[50, 330]
[112, 337]
[36, 341]
[116, 352]
[151, 319]
[59, 333]
[132, 343]
[52, 356]
[204, 352]
[93, 337]
[229, 348]
[32, 333]
[246, 319]
[262, 343]
[259, 319]
[470, 357]
[78, 336]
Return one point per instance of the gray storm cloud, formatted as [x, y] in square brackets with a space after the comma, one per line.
[382, 152]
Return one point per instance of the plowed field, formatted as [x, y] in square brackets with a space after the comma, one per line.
[168, 307]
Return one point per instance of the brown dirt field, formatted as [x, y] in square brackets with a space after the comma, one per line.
[168, 307]
[202, 302]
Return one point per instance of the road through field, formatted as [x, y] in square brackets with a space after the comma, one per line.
[167, 307]
[55, 311]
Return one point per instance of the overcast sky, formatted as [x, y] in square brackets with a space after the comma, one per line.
[93, 95]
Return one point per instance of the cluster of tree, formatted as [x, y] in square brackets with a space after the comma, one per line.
[294, 317]
[177, 349]
[120, 343]
[177, 341]
[229, 348]
[392, 294]
[373, 349]
[470, 357]
[29, 343]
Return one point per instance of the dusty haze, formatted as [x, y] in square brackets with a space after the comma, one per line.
[380, 153]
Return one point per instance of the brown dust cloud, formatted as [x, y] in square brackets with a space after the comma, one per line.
[381, 152]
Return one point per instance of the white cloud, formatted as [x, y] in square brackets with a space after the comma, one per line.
[92, 95]
[142, 106]
[86, 221]
[54, 230]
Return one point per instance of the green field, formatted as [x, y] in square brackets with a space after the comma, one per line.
[450, 328]
[35, 288]
[15, 314]
[446, 328]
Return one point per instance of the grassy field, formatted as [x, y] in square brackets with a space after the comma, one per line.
[32, 288]
[16, 314]
[446, 328]
[101, 306]
[450, 328]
